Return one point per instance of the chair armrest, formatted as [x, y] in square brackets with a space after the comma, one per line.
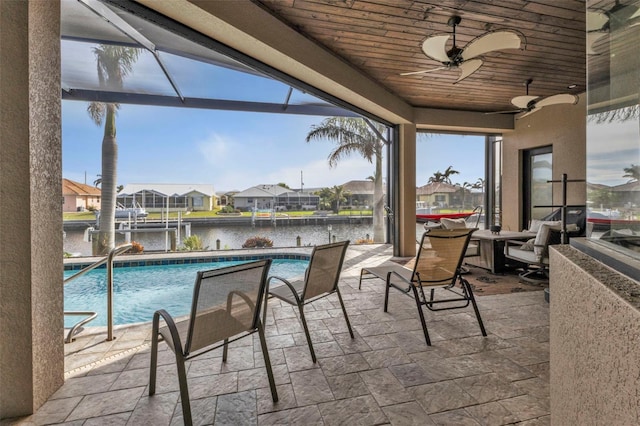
[287, 283]
[171, 325]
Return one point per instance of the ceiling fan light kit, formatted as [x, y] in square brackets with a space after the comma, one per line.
[467, 59]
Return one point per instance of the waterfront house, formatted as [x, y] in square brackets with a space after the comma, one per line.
[359, 193]
[79, 196]
[268, 196]
[156, 197]
[437, 194]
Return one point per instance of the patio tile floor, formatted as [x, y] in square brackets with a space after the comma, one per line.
[386, 375]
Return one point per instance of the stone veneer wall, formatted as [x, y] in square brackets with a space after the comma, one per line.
[595, 342]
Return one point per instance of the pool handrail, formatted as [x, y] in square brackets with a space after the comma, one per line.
[108, 259]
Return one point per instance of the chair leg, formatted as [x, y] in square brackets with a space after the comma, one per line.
[225, 350]
[360, 282]
[154, 358]
[267, 362]
[421, 314]
[469, 291]
[306, 332]
[344, 311]
[184, 390]
[386, 295]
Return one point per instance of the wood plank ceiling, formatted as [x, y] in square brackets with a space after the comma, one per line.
[383, 38]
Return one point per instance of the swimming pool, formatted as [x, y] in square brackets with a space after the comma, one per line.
[139, 291]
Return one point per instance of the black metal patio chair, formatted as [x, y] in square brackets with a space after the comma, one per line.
[225, 307]
[320, 280]
[437, 266]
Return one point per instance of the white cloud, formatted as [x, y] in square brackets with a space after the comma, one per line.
[215, 148]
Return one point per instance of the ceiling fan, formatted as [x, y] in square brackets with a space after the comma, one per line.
[466, 58]
[529, 104]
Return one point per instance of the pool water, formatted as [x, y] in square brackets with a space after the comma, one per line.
[140, 291]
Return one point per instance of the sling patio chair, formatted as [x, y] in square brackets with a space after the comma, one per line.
[437, 266]
[320, 280]
[225, 307]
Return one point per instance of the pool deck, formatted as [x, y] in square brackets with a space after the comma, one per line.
[386, 375]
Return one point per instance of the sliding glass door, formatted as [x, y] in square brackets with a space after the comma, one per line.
[538, 191]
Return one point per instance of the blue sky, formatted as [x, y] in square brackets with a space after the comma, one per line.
[236, 150]
[229, 149]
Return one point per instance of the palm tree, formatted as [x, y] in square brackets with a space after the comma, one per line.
[448, 173]
[465, 188]
[339, 195]
[439, 177]
[353, 135]
[114, 63]
[633, 173]
[436, 178]
[326, 195]
[479, 185]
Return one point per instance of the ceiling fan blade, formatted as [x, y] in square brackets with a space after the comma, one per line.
[423, 71]
[596, 20]
[523, 101]
[562, 98]
[489, 42]
[467, 68]
[435, 48]
[512, 111]
[527, 113]
[592, 38]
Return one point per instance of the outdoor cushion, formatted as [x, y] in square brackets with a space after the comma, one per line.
[528, 246]
[453, 223]
[542, 237]
[534, 225]
[525, 256]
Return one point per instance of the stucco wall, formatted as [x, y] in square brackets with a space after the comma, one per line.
[594, 341]
[31, 305]
[564, 127]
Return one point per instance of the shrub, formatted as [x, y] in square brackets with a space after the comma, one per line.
[364, 241]
[136, 247]
[193, 243]
[256, 241]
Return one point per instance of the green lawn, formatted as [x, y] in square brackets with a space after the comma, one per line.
[174, 215]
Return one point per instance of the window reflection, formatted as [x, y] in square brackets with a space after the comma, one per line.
[613, 125]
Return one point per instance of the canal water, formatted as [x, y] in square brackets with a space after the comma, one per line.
[232, 237]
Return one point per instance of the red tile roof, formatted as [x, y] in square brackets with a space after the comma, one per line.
[70, 187]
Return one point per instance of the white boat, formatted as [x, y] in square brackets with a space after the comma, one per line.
[135, 211]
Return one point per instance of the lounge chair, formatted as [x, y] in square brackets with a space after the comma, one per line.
[225, 307]
[437, 266]
[533, 255]
[320, 280]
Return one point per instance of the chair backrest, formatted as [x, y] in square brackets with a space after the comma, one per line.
[473, 221]
[438, 261]
[324, 269]
[226, 302]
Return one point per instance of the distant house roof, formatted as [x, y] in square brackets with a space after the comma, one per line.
[70, 187]
[170, 189]
[263, 191]
[436, 188]
[358, 187]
